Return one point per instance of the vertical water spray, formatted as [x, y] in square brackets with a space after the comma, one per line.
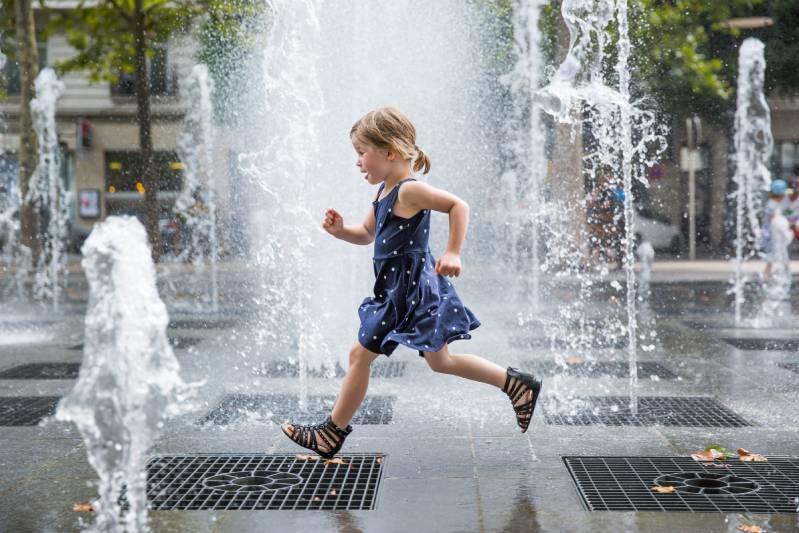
[754, 145]
[284, 170]
[46, 190]
[197, 201]
[626, 137]
[526, 130]
[129, 380]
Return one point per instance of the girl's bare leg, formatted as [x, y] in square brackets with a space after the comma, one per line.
[466, 366]
[353, 388]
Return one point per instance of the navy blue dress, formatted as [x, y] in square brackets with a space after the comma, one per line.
[412, 304]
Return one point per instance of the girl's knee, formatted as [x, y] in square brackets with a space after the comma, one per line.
[441, 363]
[361, 356]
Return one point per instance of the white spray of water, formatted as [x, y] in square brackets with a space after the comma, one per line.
[753, 148]
[47, 191]
[284, 170]
[527, 133]
[627, 137]
[197, 201]
[129, 380]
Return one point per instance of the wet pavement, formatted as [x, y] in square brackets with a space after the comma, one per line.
[451, 456]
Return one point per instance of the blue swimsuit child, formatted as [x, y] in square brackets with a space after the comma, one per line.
[412, 304]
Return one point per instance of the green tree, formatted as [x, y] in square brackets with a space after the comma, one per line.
[118, 36]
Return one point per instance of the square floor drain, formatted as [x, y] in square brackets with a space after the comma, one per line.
[42, 371]
[523, 341]
[284, 369]
[177, 342]
[26, 410]
[793, 367]
[770, 345]
[595, 369]
[625, 484]
[684, 411]
[284, 407]
[262, 482]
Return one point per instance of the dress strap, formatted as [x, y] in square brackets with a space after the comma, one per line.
[379, 190]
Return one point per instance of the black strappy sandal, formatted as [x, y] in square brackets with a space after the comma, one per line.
[332, 436]
[516, 386]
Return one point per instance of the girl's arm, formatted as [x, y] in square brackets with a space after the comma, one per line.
[419, 195]
[355, 233]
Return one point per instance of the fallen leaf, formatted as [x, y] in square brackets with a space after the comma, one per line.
[747, 456]
[83, 508]
[574, 360]
[317, 498]
[335, 461]
[663, 489]
[333, 492]
[708, 455]
[747, 528]
[379, 460]
[301, 457]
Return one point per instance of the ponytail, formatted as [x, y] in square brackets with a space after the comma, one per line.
[422, 162]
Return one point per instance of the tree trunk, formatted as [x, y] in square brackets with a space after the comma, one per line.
[28, 155]
[149, 179]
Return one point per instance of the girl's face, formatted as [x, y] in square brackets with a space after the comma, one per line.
[372, 161]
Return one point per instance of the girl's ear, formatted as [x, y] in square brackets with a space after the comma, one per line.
[390, 155]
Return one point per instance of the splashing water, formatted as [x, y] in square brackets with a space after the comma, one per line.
[197, 201]
[527, 135]
[47, 191]
[753, 148]
[284, 170]
[627, 137]
[129, 381]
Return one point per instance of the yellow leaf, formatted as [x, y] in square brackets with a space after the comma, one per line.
[83, 508]
[335, 461]
[663, 489]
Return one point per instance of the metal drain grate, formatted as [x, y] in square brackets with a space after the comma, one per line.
[771, 345]
[686, 411]
[625, 484]
[283, 369]
[202, 323]
[177, 342]
[793, 367]
[523, 341]
[26, 410]
[42, 371]
[595, 369]
[284, 407]
[262, 482]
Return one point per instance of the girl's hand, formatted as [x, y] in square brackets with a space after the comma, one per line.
[449, 264]
[333, 223]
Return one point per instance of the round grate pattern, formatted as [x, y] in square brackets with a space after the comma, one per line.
[252, 481]
[708, 483]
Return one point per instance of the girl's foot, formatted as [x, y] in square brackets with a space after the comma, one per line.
[325, 439]
[522, 389]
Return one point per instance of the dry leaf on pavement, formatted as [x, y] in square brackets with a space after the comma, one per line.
[663, 489]
[335, 461]
[83, 508]
[746, 528]
[747, 456]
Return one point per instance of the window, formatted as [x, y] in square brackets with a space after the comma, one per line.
[161, 74]
[12, 76]
[123, 172]
[784, 159]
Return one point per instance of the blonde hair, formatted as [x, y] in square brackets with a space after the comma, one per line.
[387, 128]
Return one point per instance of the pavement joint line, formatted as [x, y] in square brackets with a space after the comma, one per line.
[480, 517]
